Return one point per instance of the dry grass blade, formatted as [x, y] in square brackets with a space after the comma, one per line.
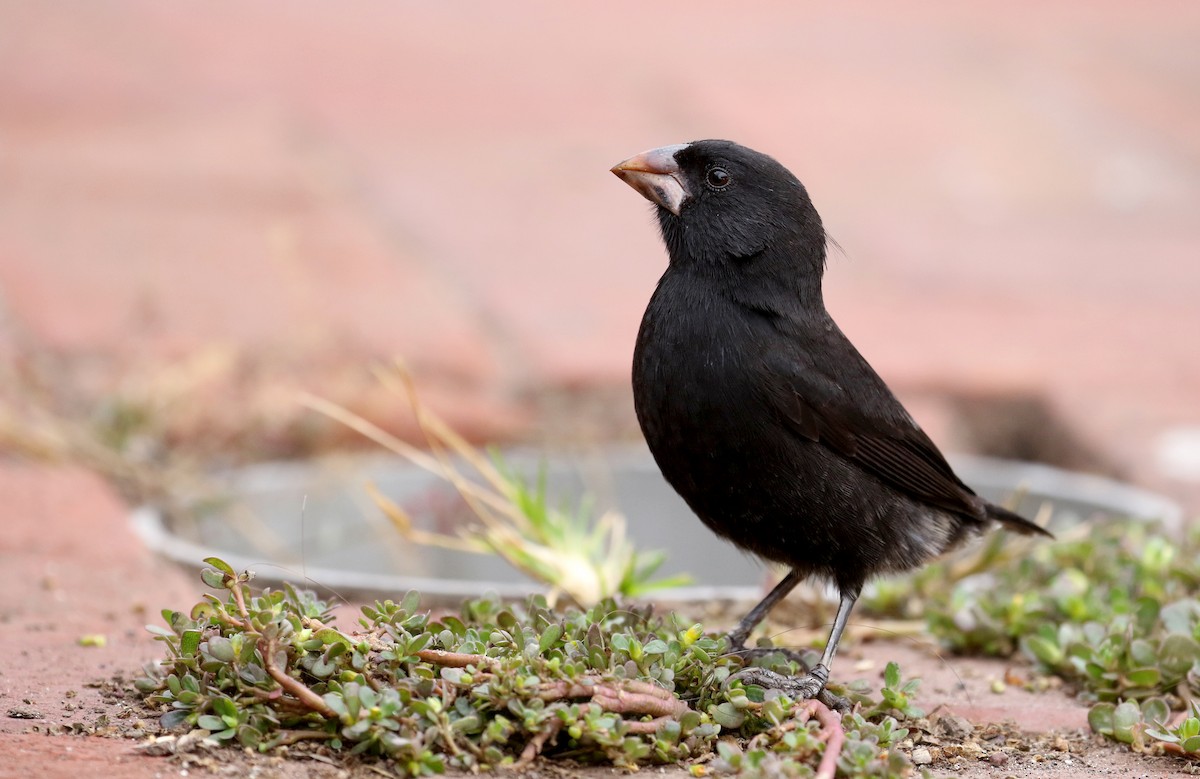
[406, 450]
[499, 538]
[404, 525]
[584, 557]
[436, 431]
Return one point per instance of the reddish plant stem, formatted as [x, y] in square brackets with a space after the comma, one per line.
[831, 733]
[290, 685]
[648, 726]
[455, 659]
[240, 599]
[631, 697]
[292, 736]
[538, 742]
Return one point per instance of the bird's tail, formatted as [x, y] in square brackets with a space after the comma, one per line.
[1016, 522]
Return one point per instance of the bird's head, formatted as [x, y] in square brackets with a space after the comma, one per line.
[721, 204]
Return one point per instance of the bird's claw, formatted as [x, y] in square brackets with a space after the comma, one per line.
[810, 685]
[798, 687]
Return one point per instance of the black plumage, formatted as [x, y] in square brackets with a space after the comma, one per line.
[759, 411]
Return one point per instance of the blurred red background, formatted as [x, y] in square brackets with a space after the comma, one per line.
[206, 206]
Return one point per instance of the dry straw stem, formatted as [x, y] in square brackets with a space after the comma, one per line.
[41, 435]
[38, 431]
[488, 504]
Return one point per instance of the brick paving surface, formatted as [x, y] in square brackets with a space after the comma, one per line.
[299, 189]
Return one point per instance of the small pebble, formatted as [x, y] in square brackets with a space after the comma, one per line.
[954, 727]
[921, 756]
[998, 758]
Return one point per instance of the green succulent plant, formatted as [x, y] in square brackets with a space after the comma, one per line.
[491, 685]
[1110, 607]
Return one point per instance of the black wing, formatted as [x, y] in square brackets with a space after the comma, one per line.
[860, 419]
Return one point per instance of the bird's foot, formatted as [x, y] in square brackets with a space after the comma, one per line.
[810, 685]
[798, 687]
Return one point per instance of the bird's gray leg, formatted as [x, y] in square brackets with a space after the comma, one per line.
[737, 637]
[835, 637]
[812, 683]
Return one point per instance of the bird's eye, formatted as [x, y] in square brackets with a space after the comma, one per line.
[718, 178]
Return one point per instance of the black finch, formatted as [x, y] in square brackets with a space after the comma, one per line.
[760, 412]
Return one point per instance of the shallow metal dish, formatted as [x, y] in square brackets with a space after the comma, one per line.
[311, 520]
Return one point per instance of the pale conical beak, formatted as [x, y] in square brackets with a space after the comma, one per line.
[656, 175]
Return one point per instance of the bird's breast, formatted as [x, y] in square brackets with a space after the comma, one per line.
[695, 393]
